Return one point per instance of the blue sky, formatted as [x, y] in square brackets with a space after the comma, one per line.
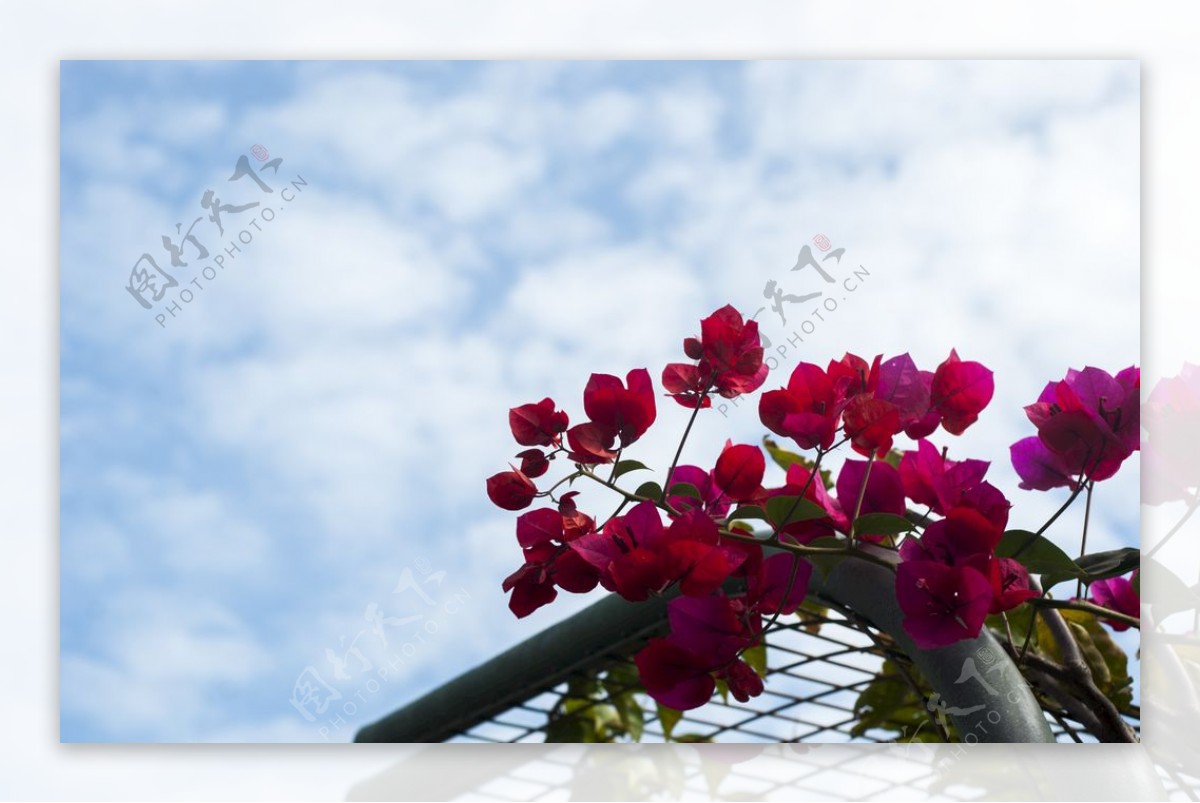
[241, 486]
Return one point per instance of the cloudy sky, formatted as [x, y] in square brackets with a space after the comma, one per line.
[286, 473]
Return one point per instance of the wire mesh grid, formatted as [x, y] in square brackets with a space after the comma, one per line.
[817, 667]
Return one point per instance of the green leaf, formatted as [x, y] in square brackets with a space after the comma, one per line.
[1039, 555]
[785, 460]
[649, 490]
[756, 656]
[1102, 565]
[1108, 663]
[825, 563]
[571, 729]
[668, 718]
[882, 524]
[890, 704]
[723, 690]
[693, 738]
[781, 507]
[747, 512]
[685, 489]
[893, 458]
[622, 684]
[626, 466]
[811, 624]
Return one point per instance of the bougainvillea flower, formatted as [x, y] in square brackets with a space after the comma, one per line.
[712, 499]
[710, 627]
[1090, 420]
[959, 391]
[1116, 594]
[739, 471]
[806, 411]
[731, 348]
[963, 534]
[1010, 584]
[684, 383]
[674, 676]
[511, 490]
[871, 423]
[901, 385]
[1039, 468]
[547, 565]
[575, 522]
[533, 463]
[925, 425]
[771, 584]
[742, 681]
[539, 526]
[625, 409]
[591, 443]
[729, 358]
[636, 556]
[537, 424]
[852, 376]
[531, 588]
[882, 493]
[941, 604]
[987, 500]
[931, 479]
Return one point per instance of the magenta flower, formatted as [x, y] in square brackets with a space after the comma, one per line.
[675, 676]
[770, 584]
[729, 358]
[1010, 584]
[537, 424]
[511, 490]
[1116, 594]
[962, 536]
[709, 627]
[739, 471]
[959, 391]
[1087, 425]
[931, 479]
[884, 493]
[618, 412]
[636, 556]
[942, 604]
[806, 411]
[713, 499]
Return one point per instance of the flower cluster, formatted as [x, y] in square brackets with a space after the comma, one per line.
[875, 403]
[1087, 425]
[691, 539]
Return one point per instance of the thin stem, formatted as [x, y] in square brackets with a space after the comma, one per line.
[616, 461]
[1029, 541]
[549, 491]
[1087, 514]
[862, 493]
[787, 592]
[682, 441]
[1087, 607]
[802, 549]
